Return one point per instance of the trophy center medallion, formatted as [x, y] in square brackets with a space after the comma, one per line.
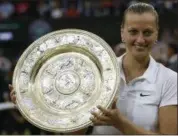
[67, 82]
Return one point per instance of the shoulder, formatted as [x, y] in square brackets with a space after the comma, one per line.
[168, 79]
[168, 83]
[166, 74]
[165, 79]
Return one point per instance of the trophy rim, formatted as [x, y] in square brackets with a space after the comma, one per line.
[40, 40]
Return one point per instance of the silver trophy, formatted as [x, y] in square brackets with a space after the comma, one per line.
[61, 77]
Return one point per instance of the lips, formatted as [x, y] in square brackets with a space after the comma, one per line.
[140, 47]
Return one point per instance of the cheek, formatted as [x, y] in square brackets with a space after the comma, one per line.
[148, 41]
[152, 40]
[130, 39]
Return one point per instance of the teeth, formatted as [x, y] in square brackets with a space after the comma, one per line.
[139, 47]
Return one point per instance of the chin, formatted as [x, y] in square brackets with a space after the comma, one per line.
[140, 55]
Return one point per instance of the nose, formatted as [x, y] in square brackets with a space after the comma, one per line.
[140, 39]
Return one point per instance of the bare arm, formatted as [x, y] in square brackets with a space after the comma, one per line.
[167, 121]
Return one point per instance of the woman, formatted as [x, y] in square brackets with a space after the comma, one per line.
[147, 103]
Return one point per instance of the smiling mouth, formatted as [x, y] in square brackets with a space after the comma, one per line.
[140, 48]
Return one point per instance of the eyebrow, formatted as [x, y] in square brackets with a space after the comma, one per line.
[147, 29]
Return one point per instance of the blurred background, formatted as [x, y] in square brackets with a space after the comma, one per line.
[23, 21]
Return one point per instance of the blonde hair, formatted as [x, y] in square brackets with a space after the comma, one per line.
[140, 8]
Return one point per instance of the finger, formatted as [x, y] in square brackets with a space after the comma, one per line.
[105, 111]
[114, 103]
[12, 93]
[10, 87]
[100, 117]
[97, 122]
[13, 99]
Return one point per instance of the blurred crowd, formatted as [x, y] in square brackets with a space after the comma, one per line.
[165, 50]
[75, 8]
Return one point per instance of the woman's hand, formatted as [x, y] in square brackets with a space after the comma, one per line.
[107, 117]
[12, 94]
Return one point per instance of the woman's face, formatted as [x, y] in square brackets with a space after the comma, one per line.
[139, 33]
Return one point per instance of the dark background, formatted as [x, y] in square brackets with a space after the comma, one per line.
[103, 18]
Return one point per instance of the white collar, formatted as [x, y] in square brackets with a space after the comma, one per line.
[149, 74]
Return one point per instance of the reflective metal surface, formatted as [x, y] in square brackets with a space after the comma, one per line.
[62, 77]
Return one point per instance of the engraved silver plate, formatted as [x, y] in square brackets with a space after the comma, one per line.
[62, 77]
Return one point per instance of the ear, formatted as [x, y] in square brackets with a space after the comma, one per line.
[156, 38]
[122, 34]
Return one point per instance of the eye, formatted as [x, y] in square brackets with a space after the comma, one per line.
[147, 33]
[133, 32]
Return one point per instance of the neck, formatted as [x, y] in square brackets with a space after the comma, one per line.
[133, 64]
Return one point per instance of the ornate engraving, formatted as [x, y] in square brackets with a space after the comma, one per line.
[78, 73]
[67, 82]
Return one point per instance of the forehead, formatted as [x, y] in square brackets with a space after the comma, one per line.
[140, 20]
